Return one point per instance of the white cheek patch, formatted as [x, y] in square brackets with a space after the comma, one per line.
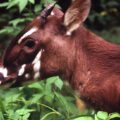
[36, 69]
[4, 71]
[27, 76]
[37, 58]
[37, 64]
[68, 33]
[52, 13]
[21, 70]
[36, 75]
[31, 31]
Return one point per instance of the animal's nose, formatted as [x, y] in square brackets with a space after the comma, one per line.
[1, 78]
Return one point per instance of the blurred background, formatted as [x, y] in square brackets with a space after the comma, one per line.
[51, 99]
[15, 14]
[104, 18]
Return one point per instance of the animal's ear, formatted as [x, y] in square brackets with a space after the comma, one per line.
[76, 14]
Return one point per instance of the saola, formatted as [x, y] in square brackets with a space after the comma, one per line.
[57, 43]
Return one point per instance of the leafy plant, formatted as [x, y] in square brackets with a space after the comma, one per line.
[45, 100]
[42, 99]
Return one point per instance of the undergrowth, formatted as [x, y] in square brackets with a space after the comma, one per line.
[45, 100]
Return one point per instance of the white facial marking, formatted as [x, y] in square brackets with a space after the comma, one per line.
[36, 65]
[52, 13]
[68, 33]
[36, 75]
[21, 70]
[37, 58]
[0, 82]
[27, 76]
[32, 30]
[4, 71]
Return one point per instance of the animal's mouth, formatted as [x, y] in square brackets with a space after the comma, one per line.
[4, 77]
[25, 71]
[9, 80]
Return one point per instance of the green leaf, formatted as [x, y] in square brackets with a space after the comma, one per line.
[102, 115]
[26, 116]
[51, 1]
[32, 1]
[49, 98]
[15, 22]
[37, 8]
[63, 102]
[83, 118]
[24, 111]
[6, 30]
[5, 4]
[22, 5]
[96, 118]
[37, 85]
[1, 116]
[59, 83]
[12, 3]
[114, 115]
[56, 81]
[36, 97]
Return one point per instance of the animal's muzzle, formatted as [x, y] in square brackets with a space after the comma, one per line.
[6, 80]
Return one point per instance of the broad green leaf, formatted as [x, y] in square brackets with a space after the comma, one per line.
[22, 5]
[26, 116]
[114, 115]
[37, 85]
[96, 118]
[24, 111]
[32, 1]
[12, 3]
[56, 81]
[59, 83]
[11, 114]
[36, 97]
[12, 98]
[49, 98]
[102, 115]
[6, 30]
[51, 80]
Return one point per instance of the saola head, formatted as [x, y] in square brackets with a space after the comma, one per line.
[47, 43]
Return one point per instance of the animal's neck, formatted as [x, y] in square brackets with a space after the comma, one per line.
[95, 58]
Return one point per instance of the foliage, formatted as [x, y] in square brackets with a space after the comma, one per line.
[104, 12]
[44, 100]
[21, 11]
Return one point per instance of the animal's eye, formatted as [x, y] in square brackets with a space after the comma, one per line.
[29, 43]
